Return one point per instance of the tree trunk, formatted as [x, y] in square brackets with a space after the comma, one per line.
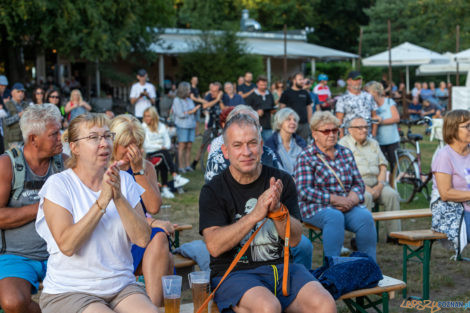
[12, 56]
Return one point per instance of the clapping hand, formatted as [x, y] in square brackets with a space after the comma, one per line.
[113, 179]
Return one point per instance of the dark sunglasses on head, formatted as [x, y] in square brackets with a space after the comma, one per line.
[39, 92]
[326, 132]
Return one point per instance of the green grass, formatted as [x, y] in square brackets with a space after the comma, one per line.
[450, 280]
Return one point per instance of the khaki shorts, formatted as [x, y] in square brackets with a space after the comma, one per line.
[77, 302]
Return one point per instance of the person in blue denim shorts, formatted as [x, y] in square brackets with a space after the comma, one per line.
[231, 207]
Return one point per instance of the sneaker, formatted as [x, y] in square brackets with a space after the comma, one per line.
[180, 190]
[166, 193]
[345, 251]
[180, 181]
[193, 165]
[189, 169]
[182, 170]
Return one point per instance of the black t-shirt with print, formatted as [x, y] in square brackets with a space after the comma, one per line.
[297, 100]
[223, 201]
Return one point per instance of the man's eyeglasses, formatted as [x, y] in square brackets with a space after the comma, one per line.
[360, 127]
[54, 97]
[96, 139]
[326, 132]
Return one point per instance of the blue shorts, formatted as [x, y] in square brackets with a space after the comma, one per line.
[239, 282]
[138, 252]
[20, 267]
[185, 134]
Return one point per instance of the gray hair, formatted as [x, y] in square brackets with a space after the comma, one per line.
[241, 119]
[243, 109]
[228, 83]
[375, 87]
[323, 117]
[183, 91]
[283, 115]
[36, 117]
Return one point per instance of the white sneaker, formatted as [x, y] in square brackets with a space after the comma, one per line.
[180, 181]
[166, 193]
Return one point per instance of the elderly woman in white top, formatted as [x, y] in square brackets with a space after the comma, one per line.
[284, 141]
[89, 215]
[157, 144]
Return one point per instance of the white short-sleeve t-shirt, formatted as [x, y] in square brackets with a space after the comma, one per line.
[103, 265]
[143, 102]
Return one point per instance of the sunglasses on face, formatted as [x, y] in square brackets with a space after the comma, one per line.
[54, 97]
[326, 132]
[360, 127]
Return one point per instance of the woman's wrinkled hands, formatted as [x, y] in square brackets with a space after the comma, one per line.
[112, 181]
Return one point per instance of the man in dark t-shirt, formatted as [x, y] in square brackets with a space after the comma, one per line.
[231, 207]
[247, 87]
[299, 100]
[262, 101]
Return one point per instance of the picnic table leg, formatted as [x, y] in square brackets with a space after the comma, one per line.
[426, 262]
[385, 298]
[177, 239]
[405, 261]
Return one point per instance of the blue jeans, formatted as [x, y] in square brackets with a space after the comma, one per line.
[333, 223]
[467, 224]
[302, 253]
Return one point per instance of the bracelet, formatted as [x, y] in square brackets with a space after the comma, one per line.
[99, 207]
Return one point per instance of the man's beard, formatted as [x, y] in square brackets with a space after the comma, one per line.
[299, 86]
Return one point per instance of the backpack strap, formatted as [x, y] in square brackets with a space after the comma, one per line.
[19, 171]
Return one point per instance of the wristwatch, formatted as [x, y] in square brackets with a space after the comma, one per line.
[141, 172]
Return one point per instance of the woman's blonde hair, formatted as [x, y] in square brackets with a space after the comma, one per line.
[72, 133]
[323, 117]
[153, 126]
[452, 121]
[128, 129]
[76, 91]
[376, 87]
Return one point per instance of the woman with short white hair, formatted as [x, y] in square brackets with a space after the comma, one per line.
[284, 141]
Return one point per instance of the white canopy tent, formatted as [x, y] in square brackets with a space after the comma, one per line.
[406, 54]
[463, 56]
[443, 68]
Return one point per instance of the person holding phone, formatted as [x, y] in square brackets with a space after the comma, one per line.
[143, 94]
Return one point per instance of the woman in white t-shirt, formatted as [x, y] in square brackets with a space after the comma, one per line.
[89, 215]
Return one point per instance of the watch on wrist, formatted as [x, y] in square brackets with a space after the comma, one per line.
[141, 172]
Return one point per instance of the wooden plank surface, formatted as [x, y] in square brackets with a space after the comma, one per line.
[184, 227]
[181, 261]
[402, 214]
[414, 235]
[387, 284]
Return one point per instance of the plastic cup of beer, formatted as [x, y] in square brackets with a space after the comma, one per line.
[172, 293]
[199, 283]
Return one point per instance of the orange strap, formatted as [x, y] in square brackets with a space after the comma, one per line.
[279, 216]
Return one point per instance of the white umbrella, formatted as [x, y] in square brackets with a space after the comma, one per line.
[406, 54]
[443, 68]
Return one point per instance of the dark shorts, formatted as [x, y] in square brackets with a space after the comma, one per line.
[138, 252]
[239, 282]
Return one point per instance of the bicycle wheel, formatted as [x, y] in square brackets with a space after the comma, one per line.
[405, 176]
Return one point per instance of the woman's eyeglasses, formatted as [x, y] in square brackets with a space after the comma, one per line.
[96, 139]
[326, 132]
[360, 127]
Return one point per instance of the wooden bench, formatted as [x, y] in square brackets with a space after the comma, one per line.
[360, 300]
[315, 233]
[357, 301]
[422, 240]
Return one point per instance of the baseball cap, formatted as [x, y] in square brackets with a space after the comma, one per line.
[18, 86]
[141, 72]
[354, 75]
[322, 77]
[3, 80]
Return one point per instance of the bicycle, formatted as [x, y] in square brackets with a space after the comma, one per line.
[408, 177]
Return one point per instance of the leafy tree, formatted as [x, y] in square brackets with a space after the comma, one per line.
[218, 58]
[87, 29]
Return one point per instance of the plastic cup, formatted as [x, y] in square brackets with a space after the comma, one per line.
[172, 293]
[199, 283]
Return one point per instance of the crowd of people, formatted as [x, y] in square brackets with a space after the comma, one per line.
[82, 219]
